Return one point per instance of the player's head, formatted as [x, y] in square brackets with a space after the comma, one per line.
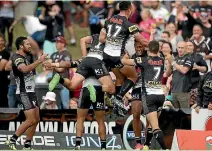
[22, 43]
[127, 7]
[139, 48]
[154, 47]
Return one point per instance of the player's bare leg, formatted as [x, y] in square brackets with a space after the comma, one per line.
[31, 121]
[100, 118]
[136, 111]
[157, 133]
[81, 114]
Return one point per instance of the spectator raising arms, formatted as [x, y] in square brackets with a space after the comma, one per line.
[54, 22]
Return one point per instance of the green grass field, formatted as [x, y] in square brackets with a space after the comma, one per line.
[74, 50]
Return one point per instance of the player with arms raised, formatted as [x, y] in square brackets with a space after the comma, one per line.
[116, 31]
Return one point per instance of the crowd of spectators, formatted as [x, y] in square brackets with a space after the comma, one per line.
[182, 27]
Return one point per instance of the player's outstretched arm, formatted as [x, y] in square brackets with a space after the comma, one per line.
[102, 36]
[28, 68]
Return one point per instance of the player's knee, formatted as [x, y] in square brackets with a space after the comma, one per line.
[32, 121]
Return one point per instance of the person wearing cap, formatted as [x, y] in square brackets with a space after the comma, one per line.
[49, 101]
[62, 54]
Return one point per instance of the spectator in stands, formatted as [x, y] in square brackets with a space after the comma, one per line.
[68, 22]
[200, 66]
[165, 36]
[136, 11]
[204, 97]
[49, 101]
[161, 15]
[181, 78]
[202, 5]
[182, 22]
[202, 45]
[174, 38]
[73, 103]
[146, 24]
[35, 30]
[202, 20]
[12, 101]
[96, 11]
[62, 54]
[6, 19]
[4, 58]
[54, 22]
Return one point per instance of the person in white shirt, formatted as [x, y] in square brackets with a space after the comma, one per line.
[161, 15]
[34, 28]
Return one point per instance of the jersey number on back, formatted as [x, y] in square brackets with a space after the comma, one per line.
[117, 30]
[157, 69]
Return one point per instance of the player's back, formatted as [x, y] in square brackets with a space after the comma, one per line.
[153, 70]
[118, 29]
[97, 48]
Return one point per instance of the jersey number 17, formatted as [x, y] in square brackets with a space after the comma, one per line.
[117, 30]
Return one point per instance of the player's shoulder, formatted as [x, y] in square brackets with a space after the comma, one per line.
[16, 56]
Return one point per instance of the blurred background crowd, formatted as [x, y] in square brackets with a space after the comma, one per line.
[170, 22]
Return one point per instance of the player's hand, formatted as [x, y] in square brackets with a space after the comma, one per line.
[47, 64]
[43, 57]
[197, 109]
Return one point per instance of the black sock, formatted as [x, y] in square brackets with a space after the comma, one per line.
[103, 144]
[14, 138]
[159, 137]
[138, 140]
[78, 141]
[27, 144]
[125, 88]
[118, 88]
[148, 137]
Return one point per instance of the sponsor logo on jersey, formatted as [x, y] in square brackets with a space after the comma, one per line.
[133, 28]
[116, 20]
